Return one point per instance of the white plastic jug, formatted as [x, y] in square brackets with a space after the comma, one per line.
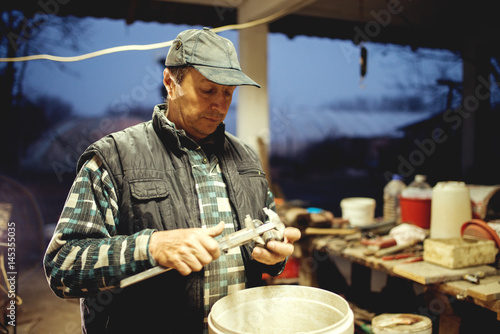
[450, 208]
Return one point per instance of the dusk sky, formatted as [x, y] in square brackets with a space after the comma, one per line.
[303, 72]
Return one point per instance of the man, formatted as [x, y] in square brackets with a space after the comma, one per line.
[158, 194]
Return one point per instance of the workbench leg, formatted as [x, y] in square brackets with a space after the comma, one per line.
[360, 283]
[449, 324]
[328, 275]
[448, 321]
[308, 265]
[439, 305]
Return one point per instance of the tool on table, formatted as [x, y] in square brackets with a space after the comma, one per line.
[415, 259]
[381, 242]
[474, 277]
[398, 256]
[376, 244]
[329, 231]
[393, 249]
[254, 230]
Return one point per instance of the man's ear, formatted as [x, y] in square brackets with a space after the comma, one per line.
[168, 82]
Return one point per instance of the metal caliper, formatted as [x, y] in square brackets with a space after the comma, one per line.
[254, 230]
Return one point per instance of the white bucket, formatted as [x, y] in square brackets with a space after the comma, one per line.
[360, 211]
[281, 309]
[387, 323]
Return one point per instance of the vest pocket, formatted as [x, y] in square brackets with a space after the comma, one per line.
[252, 187]
[148, 189]
[151, 207]
[251, 173]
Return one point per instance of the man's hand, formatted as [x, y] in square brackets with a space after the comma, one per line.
[277, 251]
[186, 250]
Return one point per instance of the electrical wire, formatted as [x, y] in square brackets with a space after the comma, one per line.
[153, 46]
[89, 55]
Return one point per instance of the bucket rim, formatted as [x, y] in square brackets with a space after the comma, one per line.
[343, 308]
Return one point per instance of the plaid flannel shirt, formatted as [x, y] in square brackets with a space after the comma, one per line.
[86, 255]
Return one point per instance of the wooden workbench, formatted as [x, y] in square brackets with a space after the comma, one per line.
[436, 280]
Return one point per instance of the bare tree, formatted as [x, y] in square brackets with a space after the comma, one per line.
[20, 36]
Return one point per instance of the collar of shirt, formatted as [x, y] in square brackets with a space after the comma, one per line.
[210, 145]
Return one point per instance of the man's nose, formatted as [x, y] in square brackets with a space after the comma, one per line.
[221, 102]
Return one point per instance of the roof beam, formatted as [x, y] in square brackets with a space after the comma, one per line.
[208, 3]
[251, 10]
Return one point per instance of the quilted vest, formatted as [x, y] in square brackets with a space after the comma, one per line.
[150, 170]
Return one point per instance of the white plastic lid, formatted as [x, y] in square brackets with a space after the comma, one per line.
[420, 178]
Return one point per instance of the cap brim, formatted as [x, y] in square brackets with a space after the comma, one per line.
[225, 76]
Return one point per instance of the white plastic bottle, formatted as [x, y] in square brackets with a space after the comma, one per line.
[392, 210]
[451, 208]
[418, 188]
[420, 182]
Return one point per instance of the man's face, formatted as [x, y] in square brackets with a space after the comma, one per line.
[197, 105]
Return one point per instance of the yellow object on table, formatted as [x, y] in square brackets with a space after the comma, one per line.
[459, 252]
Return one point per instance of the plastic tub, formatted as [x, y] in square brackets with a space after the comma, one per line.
[416, 211]
[281, 309]
[360, 211]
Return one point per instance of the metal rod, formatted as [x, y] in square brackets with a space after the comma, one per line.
[232, 240]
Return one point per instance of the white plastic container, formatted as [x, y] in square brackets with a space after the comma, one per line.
[418, 188]
[360, 211]
[283, 309]
[450, 209]
[387, 323]
[392, 191]
[420, 182]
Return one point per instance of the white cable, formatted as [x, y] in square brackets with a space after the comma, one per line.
[147, 46]
[91, 54]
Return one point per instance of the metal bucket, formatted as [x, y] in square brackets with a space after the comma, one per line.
[281, 309]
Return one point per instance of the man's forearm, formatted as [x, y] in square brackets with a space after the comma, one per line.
[84, 267]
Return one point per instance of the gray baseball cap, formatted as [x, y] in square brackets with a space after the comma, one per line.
[212, 55]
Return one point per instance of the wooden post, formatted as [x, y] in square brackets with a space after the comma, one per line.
[475, 110]
[252, 120]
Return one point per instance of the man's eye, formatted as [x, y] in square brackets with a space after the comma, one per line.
[207, 91]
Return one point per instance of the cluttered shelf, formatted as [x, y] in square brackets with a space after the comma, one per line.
[435, 247]
[479, 284]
